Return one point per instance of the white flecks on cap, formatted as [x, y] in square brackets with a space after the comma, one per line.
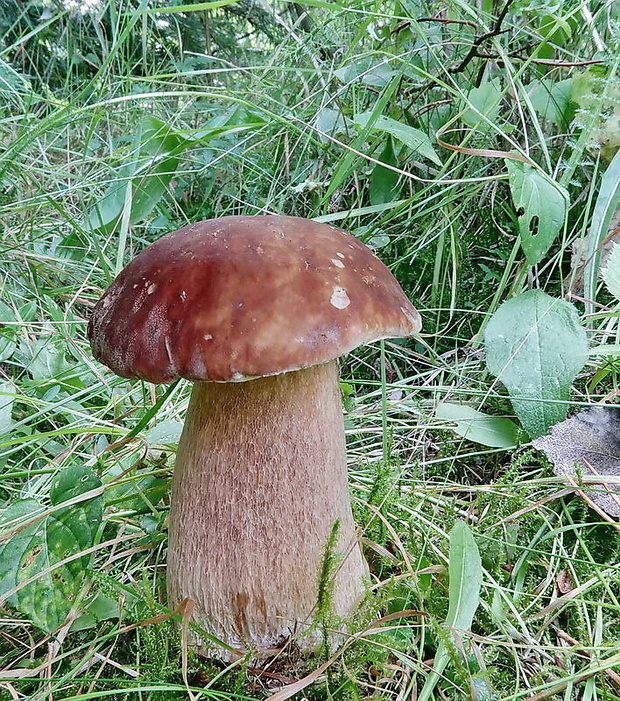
[340, 298]
[151, 288]
[337, 263]
[168, 350]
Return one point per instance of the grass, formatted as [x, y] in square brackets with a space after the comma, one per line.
[121, 116]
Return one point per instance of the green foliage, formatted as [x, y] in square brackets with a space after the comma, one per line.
[611, 272]
[536, 346]
[483, 104]
[478, 427]
[122, 120]
[552, 100]
[414, 139]
[541, 209]
[41, 570]
[465, 579]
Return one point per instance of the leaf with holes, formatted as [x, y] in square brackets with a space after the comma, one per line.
[536, 346]
[31, 576]
[541, 208]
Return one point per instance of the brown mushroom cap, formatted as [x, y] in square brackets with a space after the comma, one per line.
[241, 297]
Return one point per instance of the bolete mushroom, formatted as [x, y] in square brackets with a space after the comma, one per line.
[255, 311]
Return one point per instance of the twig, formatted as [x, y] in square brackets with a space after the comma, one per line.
[478, 41]
[614, 497]
[561, 686]
[287, 691]
[614, 676]
[539, 61]
[603, 514]
[442, 20]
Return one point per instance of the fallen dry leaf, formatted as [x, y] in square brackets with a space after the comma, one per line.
[589, 443]
[564, 581]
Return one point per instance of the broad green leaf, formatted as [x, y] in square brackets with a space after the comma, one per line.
[367, 72]
[611, 272]
[329, 122]
[541, 208]
[8, 329]
[607, 201]
[28, 311]
[414, 139]
[465, 579]
[484, 101]
[29, 552]
[552, 100]
[48, 359]
[478, 427]
[554, 27]
[536, 346]
[164, 433]
[384, 181]
[146, 176]
[99, 608]
[12, 81]
[138, 496]
[7, 398]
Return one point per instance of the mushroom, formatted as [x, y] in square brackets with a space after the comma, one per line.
[255, 311]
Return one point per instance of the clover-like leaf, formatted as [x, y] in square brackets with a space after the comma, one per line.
[30, 573]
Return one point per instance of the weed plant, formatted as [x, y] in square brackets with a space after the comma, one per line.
[121, 120]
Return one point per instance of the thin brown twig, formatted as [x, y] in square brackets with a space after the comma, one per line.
[539, 61]
[561, 686]
[479, 40]
[582, 652]
[442, 20]
[591, 504]
[607, 486]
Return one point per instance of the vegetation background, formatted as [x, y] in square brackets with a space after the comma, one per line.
[473, 145]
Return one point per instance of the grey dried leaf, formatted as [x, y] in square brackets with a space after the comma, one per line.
[589, 442]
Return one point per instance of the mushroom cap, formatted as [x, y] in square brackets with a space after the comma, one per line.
[240, 297]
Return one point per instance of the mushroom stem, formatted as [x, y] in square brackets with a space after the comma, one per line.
[259, 483]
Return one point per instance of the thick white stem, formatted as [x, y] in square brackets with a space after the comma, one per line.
[260, 481]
